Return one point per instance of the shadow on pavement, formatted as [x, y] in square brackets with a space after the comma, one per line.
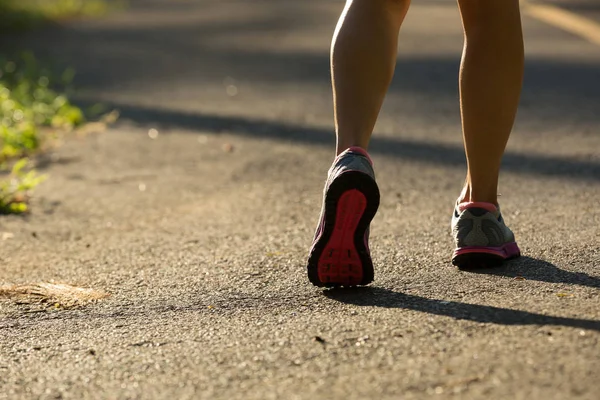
[538, 270]
[380, 297]
[432, 153]
[191, 44]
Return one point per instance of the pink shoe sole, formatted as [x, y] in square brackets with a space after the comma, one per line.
[340, 255]
[484, 257]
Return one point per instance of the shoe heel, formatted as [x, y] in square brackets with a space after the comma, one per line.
[340, 256]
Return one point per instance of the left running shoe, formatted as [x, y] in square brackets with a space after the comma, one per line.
[340, 254]
[482, 238]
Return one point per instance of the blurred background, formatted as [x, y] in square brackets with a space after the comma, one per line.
[260, 69]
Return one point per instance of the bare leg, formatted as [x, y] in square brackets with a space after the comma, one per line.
[363, 58]
[491, 77]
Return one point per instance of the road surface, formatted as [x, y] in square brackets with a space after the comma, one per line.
[195, 212]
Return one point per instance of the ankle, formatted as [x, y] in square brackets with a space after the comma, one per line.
[343, 145]
[468, 195]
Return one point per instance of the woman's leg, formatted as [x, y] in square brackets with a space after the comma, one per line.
[491, 76]
[363, 58]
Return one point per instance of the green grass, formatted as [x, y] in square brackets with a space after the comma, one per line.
[33, 110]
[30, 103]
[14, 192]
[34, 106]
[18, 15]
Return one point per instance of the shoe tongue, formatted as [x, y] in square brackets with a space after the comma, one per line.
[478, 204]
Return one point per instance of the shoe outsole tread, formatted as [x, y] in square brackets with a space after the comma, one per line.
[365, 188]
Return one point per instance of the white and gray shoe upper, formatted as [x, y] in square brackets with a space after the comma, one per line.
[479, 225]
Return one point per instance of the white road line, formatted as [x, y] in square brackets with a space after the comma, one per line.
[563, 19]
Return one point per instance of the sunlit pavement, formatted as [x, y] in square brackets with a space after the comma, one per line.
[195, 212]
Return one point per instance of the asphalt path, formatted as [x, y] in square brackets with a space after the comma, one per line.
[196, 210]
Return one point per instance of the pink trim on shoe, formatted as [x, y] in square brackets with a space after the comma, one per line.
[508, 250]
[477, 204]
[354, 149]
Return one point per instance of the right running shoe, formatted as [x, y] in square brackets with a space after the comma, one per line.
[482, 239]
[340, 254]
